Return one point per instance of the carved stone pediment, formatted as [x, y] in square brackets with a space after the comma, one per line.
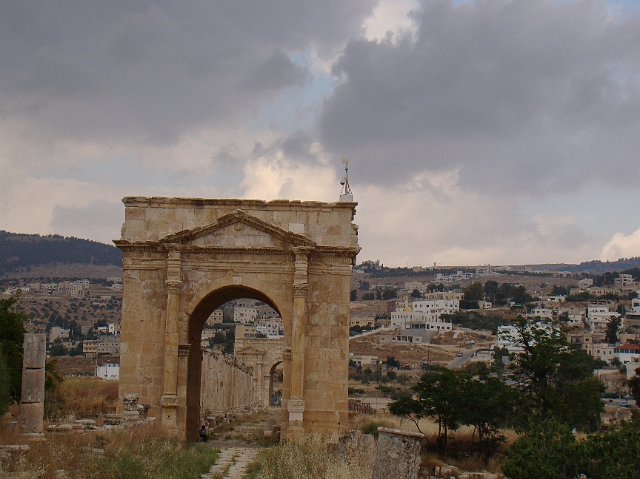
[239, 229]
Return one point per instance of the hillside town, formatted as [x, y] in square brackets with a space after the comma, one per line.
[600, 315]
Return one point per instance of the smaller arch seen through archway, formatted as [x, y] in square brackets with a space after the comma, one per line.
[222, 320]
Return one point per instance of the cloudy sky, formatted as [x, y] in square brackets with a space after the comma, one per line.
[488, 131]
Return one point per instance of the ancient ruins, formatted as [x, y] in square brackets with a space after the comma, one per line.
[183, 258]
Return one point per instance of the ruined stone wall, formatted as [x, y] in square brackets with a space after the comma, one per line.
[225, 384]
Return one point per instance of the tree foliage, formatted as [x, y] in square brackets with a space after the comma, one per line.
[12, 329]
[612, 329]
[22, 250]
[550, 450]
[552, 379]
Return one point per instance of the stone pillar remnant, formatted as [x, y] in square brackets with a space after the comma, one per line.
[33, 375]
[397, 454]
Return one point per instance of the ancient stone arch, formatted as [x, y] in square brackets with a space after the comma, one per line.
[185, 257]
[262, 355]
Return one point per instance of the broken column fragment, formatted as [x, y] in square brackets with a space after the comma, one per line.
[33, 375]
[397, 454]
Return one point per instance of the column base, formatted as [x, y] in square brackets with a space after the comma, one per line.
[169, 404]
[296, 418]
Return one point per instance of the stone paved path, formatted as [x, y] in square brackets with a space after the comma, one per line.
[238, 458]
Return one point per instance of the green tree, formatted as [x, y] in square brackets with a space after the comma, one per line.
[612, 330]
[552, 380]
[416, 294]
[548, 450]
[392, 362]
[521, 296]
[57, 348]
[634, 386]
[440, 393]
[559, 290]
[474, 292]
[5, 394]
[491, 288]
[408, 408]
[12, 329]
[613, 454]
[389, 293]
[53, 398]
[486, 402]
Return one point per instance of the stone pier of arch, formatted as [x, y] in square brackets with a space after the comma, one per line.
[185, 257]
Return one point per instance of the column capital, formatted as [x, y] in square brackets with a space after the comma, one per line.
[300, 290]
[173, 286]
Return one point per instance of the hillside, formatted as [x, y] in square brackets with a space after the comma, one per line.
[22, 252]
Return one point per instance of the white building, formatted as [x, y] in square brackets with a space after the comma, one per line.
[624, 280]
[270, 327]
[436, 306]
[629, 355]
[425, 314]
[599, 315]
[244, 314]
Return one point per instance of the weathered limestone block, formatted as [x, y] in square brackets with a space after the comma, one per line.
[34, 351]
[31, 417]
[397, 454]
[33, 385]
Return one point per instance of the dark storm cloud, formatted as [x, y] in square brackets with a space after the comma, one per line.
[524, 95]
[149, 71]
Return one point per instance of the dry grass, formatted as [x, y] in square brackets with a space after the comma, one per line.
[89, 397]
[137, 453]
[310, 457]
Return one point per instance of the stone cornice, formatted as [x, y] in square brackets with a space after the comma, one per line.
[157, 247]
[161, 201]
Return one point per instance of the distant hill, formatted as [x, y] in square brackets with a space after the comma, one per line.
[594, 267]
[23, 251]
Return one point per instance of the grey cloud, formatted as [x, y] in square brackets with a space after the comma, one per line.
[275, 73]
[97, 220]
[296, 146]
[526, 96]
[147, 72]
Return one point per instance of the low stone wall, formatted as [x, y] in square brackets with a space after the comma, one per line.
[226, 383]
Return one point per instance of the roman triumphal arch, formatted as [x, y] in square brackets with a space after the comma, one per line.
[185, 257]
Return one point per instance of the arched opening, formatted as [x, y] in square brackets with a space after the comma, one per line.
[201, 313]
[276, 376]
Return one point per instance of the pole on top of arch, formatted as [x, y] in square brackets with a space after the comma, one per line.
[346, 194]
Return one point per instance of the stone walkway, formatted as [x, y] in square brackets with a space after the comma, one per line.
[236, 459]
